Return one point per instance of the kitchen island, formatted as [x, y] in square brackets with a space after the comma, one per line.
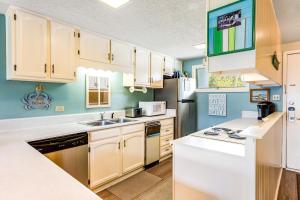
[211, 168]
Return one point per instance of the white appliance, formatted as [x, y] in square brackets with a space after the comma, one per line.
[152, 108]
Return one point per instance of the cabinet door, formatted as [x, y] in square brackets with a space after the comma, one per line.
[157, 66]
[62, 51]
[94, 47]
[133, 151]
[31, 45]
[121, 54]
[169, 65]
[142, 67]
[105, 161]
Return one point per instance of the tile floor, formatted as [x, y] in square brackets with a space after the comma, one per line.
[161, 191]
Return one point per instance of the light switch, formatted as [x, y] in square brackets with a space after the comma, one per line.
[60, 108]
[276, 97]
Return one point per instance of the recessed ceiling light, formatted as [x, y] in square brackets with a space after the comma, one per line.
[200, 46]
[115, 3]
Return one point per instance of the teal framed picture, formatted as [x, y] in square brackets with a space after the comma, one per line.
[231, 28]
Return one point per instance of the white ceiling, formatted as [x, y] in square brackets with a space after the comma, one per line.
[168, 26]
[288, 14]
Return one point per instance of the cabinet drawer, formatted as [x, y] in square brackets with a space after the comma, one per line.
[167, 130]
[133, 128]
[104, 134]
[167, 122]
[165, 140]
[166, 150]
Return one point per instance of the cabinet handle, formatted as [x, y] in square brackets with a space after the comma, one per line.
[119, 145]
[53, 69]
[112, 57]
[124, 143]
[45, 69]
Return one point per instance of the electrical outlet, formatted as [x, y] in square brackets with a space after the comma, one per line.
[60, 108]
[276, 97]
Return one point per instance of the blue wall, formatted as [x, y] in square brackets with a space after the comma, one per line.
[236, 102]
[72, 95]
[187, 65]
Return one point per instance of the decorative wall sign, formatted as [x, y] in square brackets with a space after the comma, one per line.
[217, 105]
[230, 20]
[37, 99]
[257, 95]
[231, 28]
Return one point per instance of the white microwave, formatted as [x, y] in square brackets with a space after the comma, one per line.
[153, 108]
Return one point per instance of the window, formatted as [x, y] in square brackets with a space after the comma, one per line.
[217, 82]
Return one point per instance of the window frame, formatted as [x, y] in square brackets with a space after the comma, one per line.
[214, 90]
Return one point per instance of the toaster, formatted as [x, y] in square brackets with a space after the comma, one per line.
[133, 112]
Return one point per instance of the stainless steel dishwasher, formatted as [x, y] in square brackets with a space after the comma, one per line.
[152, 146]
[69, 152]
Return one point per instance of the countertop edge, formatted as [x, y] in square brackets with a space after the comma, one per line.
[258, 132]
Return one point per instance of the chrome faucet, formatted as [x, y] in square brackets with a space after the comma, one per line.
[102, 115]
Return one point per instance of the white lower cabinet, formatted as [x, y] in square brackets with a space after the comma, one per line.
[133, 151]
[121, 152]
[105, 161]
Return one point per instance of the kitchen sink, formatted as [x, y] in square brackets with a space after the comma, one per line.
[100, 123]
[122, 120]
[109, 122]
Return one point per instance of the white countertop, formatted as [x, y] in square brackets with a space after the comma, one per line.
[251, 128]
[27, 174]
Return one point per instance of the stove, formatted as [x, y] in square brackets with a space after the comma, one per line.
[220, 133]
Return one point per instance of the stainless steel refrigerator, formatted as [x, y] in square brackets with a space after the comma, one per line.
[179, 95]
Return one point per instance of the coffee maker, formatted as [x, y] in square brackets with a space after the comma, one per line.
[264, 109]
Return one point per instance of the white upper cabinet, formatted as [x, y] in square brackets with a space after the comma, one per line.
[133, 151]
[157, 67]
[39, 49]
[169, 65]
[30, 53]
[62, 51]
[142, 67]
[94, 47]
[122, 55]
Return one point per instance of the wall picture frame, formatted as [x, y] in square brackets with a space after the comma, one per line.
[258, 95]
[231, 28]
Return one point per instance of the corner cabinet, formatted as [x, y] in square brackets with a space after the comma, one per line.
[32, 41]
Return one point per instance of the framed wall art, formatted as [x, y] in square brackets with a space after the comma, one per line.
[231, 28]
[258, 95]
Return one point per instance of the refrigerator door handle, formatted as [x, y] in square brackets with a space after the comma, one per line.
[187, 101]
